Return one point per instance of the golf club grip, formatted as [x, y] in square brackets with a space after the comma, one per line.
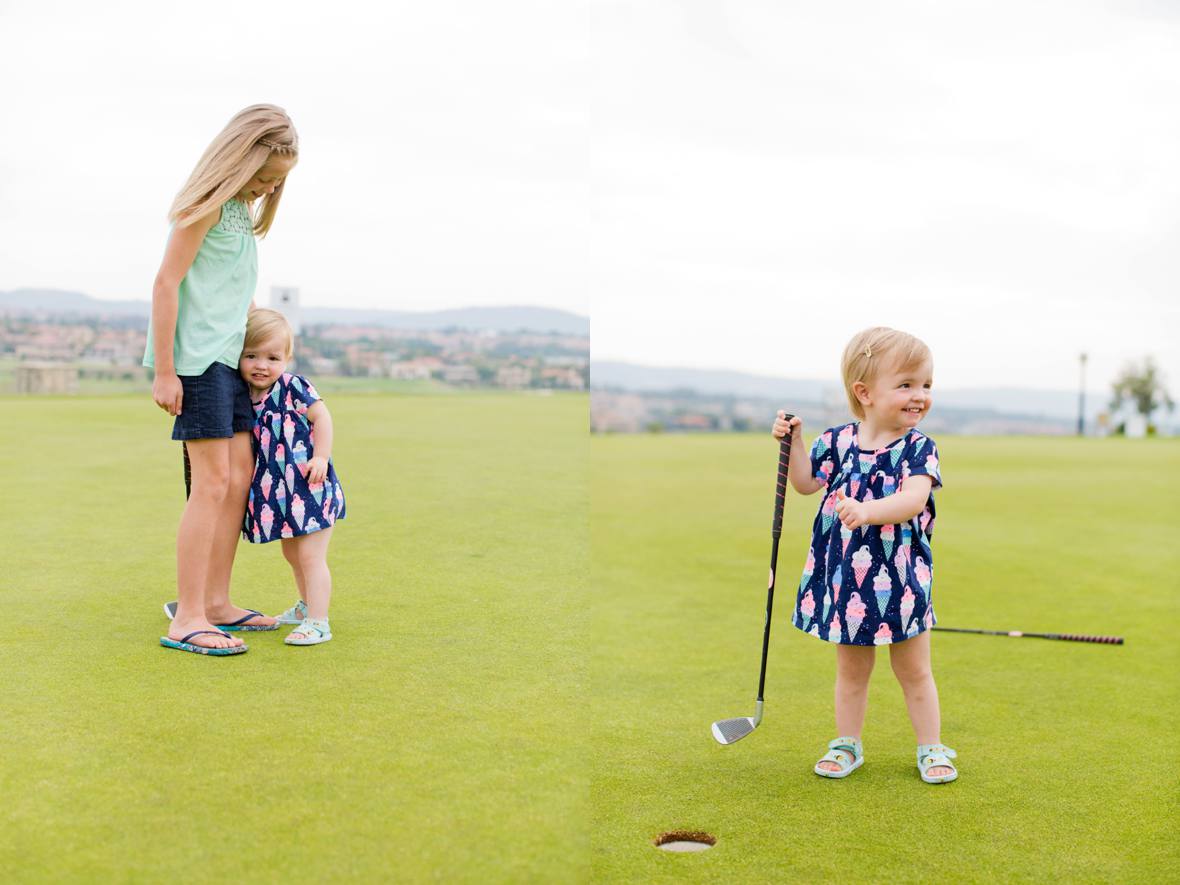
[1106, 640]
[780, 491]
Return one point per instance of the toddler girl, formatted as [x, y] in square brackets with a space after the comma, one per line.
[202, 292]
[869, 571]
[294, 496]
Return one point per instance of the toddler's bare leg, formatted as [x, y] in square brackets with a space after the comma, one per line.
[854, 666]
[312, 553]
[291, 554]
[911, 666]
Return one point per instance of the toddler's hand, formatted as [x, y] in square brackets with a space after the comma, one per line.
[317, 469]
[782, 426]
[852, 513]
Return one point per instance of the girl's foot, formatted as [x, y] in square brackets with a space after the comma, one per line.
[231, 614]
[844, 756]
[203, 635]
[309, 632]
[294, 614]
[934, 763]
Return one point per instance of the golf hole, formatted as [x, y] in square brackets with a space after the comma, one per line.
[684, 841]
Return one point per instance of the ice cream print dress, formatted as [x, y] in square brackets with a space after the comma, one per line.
[282, 504]
[871, 585]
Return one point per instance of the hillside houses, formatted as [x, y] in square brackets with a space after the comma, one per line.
[95, 348]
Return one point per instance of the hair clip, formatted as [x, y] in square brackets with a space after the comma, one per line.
[275, 146]
[868, 352]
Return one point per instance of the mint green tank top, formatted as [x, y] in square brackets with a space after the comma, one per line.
[215, 296]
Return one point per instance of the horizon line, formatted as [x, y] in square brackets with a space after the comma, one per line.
[148, 301]
[834, 381]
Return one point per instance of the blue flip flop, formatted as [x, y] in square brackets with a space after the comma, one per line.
[239, 624]
[185, 645]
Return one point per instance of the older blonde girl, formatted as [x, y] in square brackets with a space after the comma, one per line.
[202, 294]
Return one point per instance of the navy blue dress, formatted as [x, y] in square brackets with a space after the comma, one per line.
[282, 503]
[871, 585]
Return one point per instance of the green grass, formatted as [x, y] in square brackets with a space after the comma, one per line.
[440, 735]
[1068, 752]
[482, 717]
[141, 383]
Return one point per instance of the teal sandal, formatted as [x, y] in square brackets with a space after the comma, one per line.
[309, 632]
[846, 752]
[294, 614]
[932, 756]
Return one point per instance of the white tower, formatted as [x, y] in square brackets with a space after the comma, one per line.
[285, 299]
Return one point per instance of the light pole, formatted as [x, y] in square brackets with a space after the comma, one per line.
[1082, 399]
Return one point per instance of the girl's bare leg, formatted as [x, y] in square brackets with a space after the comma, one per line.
[312, 554]
[196, 539]
[218, 608]
[291, 554]
[854, 666]
[911, 666]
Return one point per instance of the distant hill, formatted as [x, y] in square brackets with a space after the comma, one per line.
[642, 379]
[500, 319]
[59, 301]
[649, 379]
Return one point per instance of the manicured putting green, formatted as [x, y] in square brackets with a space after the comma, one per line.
[437, 737]
[1069, 752]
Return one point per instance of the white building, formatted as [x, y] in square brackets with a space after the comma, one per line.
[285, 299]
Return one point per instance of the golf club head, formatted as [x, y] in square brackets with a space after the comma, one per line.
[730, 731]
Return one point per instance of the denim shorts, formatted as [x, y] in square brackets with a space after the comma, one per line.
[216, 405]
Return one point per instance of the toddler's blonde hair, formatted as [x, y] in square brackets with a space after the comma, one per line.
[877, 350]
[234, 157]
[264, 324]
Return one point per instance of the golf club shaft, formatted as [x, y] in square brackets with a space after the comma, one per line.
[188, 472]
[780, 497]
[1067, 637]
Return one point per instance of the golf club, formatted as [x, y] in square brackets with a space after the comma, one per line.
[170, 607]
[728, 731]
[1068, 637]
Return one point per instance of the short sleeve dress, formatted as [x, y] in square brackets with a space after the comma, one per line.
[282, 503]
[871, 585]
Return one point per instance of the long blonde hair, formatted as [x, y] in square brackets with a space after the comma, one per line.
[878, 350]
[234, 157]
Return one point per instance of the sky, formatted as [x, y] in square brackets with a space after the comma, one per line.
[443, 144]
[718, 185]
[998, 178]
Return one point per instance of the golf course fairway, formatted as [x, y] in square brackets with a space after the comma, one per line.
[438, 736]
[1067, 751]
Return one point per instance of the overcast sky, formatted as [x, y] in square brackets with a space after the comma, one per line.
[740, 185]
[998, 178]
[443, 144]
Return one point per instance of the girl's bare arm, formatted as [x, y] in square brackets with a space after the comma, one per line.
[182, 248]
[321, 422]
[902, 506]
[799, 470]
